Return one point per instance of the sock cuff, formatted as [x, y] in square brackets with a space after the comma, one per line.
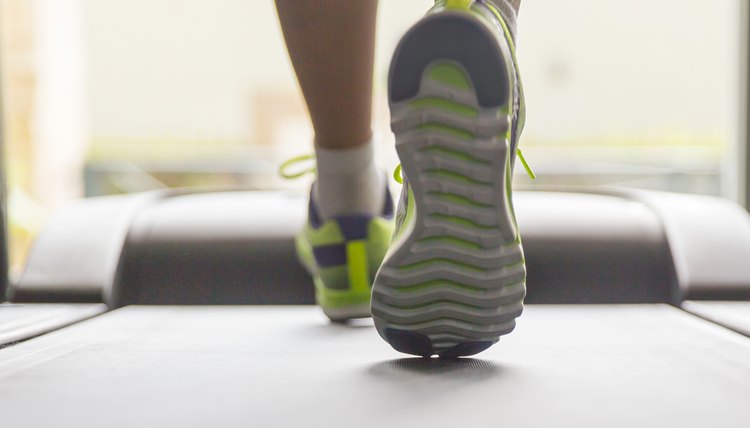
[347, 161]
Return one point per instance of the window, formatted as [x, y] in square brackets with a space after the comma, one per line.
[109, 96]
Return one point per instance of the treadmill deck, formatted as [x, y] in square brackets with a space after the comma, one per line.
[250, 366]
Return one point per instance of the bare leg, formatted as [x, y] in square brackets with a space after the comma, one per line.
[331, 44]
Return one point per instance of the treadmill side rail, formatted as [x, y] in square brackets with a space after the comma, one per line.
[75, 256]
[602, 245]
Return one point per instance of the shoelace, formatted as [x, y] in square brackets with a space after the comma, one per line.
[526, 166]
[284, 167]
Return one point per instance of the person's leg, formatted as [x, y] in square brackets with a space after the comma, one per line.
[350, 218]
[331, 45]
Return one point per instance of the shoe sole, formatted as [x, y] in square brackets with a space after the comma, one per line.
[344, 314]
[455, 282]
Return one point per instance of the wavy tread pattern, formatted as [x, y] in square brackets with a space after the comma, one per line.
[457, 281]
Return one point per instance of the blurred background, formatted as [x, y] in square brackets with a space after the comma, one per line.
[108, 96]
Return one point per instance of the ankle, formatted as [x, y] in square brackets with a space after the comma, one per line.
[348, 181]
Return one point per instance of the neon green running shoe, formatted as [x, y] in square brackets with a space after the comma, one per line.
[342, 255]
[453, 280]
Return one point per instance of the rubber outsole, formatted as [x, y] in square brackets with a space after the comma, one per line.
[413, 343]
[455, 281]
[449, 43]
[339, 315]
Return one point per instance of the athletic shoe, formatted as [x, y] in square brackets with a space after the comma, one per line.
[342, 255]
[453, 280]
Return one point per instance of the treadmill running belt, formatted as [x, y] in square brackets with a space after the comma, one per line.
[629, 366]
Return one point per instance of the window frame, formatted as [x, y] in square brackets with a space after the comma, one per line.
[741, 177]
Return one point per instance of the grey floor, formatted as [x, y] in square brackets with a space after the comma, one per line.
[286, 366]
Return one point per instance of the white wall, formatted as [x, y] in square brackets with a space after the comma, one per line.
[188, 67]
[635, 67]
[60, 128]
[593, 69]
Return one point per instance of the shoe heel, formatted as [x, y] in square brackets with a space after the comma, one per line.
[456, 282]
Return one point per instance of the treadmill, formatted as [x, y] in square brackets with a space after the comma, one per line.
[188, 308]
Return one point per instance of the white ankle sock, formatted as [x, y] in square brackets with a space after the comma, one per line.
[348, 181]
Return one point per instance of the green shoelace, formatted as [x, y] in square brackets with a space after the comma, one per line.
[284, 167]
